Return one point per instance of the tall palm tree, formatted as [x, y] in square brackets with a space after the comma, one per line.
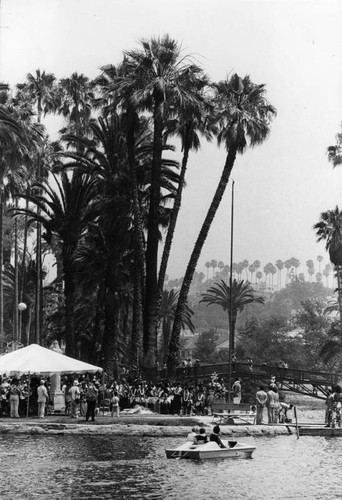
[208, 266]
[280, 266]
[64, 213]
[329, 229]
[319, 260]
[242, 295]
[75, 98]
[243, 119]
[159, 80]
[311, 268]
[213, 265]
[193, 119]
[41, 90]
[18, 139]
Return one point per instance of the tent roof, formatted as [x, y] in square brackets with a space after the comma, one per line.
[35, 359]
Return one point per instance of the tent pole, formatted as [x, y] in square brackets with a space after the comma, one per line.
[28, 394]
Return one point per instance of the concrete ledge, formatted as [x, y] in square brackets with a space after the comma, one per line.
[160, 428]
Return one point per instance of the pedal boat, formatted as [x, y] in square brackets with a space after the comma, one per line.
[189, 450]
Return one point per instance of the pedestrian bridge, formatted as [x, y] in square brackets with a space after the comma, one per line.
[310, 383]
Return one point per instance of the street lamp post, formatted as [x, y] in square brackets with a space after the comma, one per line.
[21, 307]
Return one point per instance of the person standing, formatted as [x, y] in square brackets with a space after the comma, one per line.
[74, 394]
[261, 400]
[14, 392]
[272, 404]
[43, 397]
[236, 391]
[115, 408]
[91, 394]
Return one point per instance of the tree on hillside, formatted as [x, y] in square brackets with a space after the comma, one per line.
[311, 268]
[280, 266]
[208, 266]
[205, 349]
[312, 319]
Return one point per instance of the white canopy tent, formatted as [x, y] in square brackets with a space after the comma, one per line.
[37, 360]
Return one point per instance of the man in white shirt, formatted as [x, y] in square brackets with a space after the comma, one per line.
[43, 397]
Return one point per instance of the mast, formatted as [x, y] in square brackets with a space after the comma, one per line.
[230, 341]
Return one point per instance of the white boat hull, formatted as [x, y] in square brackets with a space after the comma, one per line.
[211, 450]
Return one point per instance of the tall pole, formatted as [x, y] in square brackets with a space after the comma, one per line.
[2, 336]
[16, 335]
[230, 341]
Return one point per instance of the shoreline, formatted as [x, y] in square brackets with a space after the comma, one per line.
[144, 426]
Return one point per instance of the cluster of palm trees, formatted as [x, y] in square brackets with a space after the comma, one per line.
[255, 273]
[105, 196]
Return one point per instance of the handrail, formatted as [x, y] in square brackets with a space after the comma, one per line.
[265, 370]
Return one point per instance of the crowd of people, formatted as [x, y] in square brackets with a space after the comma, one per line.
[277, 410]
[87, 396]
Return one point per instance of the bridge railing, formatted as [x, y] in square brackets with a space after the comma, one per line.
[263, 371]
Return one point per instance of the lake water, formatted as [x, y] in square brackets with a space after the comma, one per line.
[89, 467]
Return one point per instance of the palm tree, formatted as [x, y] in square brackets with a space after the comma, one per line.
[259, 276]
[280, 266]
[159, 80]
[295, 264]
[63, 211]
[41, 90]
[335, 152]
[214, 266]
[75, 98]
[287, 265]
[329, 229]
[208, 266]
[319, 259]
[220, 265]
[243, 118]
[242, 295]
[193, 119]
[18, 139]
[311, 268]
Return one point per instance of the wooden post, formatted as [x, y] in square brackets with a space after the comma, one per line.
[295, 414]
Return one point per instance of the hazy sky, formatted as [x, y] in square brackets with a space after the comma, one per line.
[294, 47]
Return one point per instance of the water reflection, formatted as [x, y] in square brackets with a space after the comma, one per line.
[89, 467]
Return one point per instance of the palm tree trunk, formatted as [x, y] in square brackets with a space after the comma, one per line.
[109, 340]
[139, 254]
[2, 336]
[23, 268]
[16, 336]
[69, 297]
[151, 285]
[172, 224]
[183, 294]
